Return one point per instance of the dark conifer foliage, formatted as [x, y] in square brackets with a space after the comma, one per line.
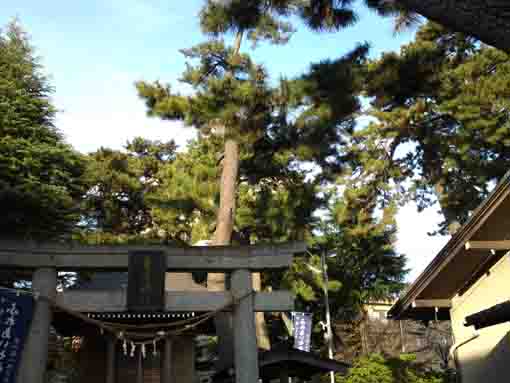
[117, 206]
[260, 20]
[40, 175]
[489, 23]
[441, 129]
[281, 131]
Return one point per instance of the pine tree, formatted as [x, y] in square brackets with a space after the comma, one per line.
[40, 175]
[184, 203]
[117, 206]
[273, 130]
[234, 100]
[489, 23]
[441, 124]
[362, 266]
[365, 262]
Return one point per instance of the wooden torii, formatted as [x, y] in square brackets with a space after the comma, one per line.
[46, 259]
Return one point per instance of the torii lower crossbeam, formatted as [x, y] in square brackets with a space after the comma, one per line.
[46, 259]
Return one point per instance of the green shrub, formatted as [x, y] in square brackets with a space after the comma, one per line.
[376, 369]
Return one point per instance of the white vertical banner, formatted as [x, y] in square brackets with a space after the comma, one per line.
[302, 323]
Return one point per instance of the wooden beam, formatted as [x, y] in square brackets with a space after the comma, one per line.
[432, 303]
[175, 301]
[488, 245]
[206, 258]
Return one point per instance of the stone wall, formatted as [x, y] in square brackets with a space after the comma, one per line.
[373, 333]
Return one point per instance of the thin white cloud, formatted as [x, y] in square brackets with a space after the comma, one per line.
[88, 132]
[111, 115]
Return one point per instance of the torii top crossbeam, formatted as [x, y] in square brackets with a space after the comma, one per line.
[47, 258]
[33, 255]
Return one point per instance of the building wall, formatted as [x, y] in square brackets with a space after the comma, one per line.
[486, 358]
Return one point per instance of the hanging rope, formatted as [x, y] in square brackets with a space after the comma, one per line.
[156, 325]
[121, 331]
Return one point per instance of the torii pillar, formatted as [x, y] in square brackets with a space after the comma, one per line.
[32, 367]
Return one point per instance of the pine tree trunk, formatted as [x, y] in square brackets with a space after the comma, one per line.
[223, 237]
[487, 20]
[226, 212]
[263, 341]
[448, 214]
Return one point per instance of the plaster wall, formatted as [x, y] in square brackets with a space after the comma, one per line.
[486, 358]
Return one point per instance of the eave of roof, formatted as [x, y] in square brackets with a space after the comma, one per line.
[309, 359]
[298, 364]
[452, 248]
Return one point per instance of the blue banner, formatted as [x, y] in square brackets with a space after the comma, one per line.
[15, 315]
[302, 323]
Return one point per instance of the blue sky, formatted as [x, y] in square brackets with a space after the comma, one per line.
[95, 50]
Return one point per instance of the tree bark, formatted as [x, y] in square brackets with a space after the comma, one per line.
[487, 20]
[228, 188]
[448, 214]
[226, 212]
[263, 341]
[223, 237]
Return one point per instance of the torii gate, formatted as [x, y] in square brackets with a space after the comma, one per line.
[48, 258]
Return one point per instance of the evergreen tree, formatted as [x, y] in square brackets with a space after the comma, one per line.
[184, 203]
[268, 133]
[233, 100]
[40, 175]
[365, 262]
[364, 257]
[117, 206]
[441, 124]
[489, 23]
[362, 266]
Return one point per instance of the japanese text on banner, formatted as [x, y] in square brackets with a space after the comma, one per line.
[15, 315]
